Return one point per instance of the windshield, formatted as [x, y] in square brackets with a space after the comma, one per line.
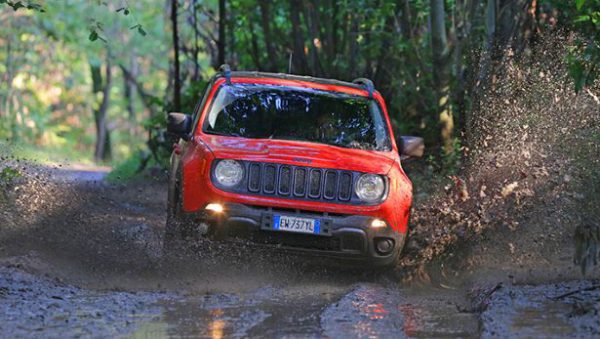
[276, 112]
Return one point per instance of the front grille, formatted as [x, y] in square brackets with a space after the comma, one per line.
[303, 182]
[298, 182]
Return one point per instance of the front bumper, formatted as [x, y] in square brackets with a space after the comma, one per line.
[343, 236]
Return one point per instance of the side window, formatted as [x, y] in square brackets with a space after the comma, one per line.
[199, 107]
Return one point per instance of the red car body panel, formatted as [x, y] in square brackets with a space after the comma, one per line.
[198, 154]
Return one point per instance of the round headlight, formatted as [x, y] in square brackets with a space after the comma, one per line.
[370, 187]
[229, 172]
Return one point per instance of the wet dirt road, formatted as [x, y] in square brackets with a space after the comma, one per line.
[83, 258]
[34, 305]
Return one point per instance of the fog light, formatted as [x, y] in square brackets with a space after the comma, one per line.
[378, 223]
[217, 208]
[384, 246]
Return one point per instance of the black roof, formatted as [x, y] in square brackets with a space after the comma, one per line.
[358, 83]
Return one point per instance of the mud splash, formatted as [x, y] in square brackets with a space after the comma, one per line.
[531, 178]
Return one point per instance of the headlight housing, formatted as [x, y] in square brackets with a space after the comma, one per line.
[370, 187]
[229, 173]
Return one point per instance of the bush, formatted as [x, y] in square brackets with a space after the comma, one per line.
[131, 168]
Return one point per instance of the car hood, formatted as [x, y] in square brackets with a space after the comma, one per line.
[300, 154]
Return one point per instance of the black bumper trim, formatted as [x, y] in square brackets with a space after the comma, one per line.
[342, 236]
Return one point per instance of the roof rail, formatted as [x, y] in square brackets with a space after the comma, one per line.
[367, 84]
[225, 70]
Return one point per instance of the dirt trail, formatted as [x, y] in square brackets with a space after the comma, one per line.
[86, 259]
[90, 262]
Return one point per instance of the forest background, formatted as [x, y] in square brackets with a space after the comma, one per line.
[92, 80]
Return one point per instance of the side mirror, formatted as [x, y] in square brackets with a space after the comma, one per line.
[411, 147]
[179, 124]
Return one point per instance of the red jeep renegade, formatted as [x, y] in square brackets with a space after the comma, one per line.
[297, 162]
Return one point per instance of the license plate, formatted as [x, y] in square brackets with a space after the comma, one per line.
[295, 224]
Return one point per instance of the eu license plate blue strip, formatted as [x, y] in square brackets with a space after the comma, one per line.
[276, 221]
[317, 226]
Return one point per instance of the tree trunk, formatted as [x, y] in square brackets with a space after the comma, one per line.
[147, 99]
[353, 45]
[222, 26]
[196, 48]
[129, 87]
[299, 57]
[405, 19]
[380, 67]
[440, 53]
[254, 51]
[265, 11]
[177, 73]
[313, 29]
[330, 26]
[466, 63]
[232, 59]
[102, 150]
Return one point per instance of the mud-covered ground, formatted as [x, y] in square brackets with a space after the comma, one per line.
[88, 262]
[92, 264]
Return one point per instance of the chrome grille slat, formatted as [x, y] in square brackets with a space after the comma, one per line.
[254, 178]
[345, 191]
[330, 185]
[285, 180]
[314, 190]
[269, 179]
[301, 182]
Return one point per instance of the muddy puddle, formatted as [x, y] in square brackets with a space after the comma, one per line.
[41, 305]
[549, 310]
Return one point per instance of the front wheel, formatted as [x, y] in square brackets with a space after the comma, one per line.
[180, 231]
[177, 228]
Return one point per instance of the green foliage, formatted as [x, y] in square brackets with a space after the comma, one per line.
[583, 63]
[159, 142]
[582, 16]
[46, 98]
[447, 163]
[8, 174]
[49, 101]
[130, 168]
[191, 95]
[125, 10]
[16, 5]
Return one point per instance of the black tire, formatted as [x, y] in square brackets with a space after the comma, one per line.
[177, 228]
[180, 231]
[173, 235]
